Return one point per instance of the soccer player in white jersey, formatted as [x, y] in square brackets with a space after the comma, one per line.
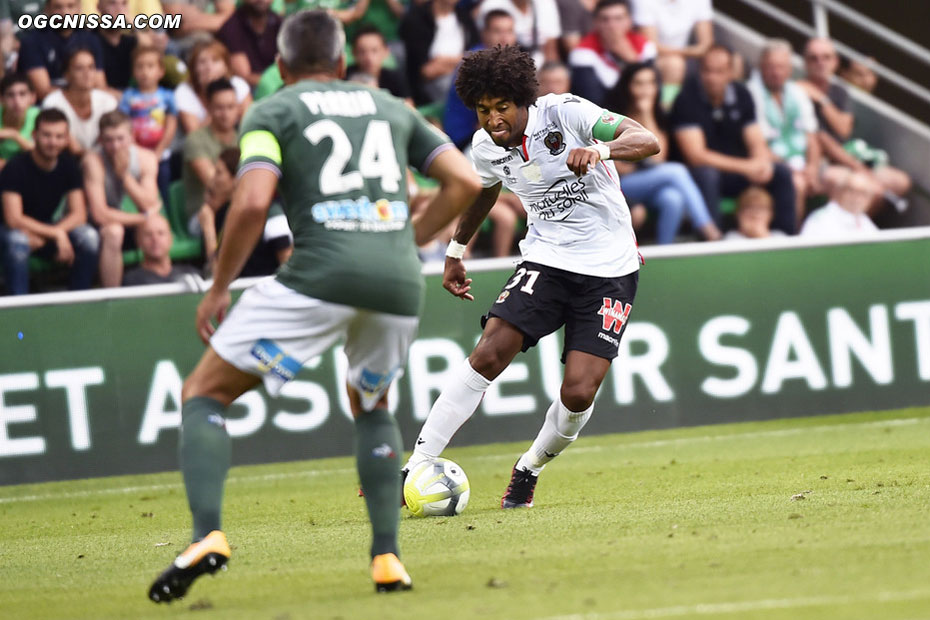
[580, 264]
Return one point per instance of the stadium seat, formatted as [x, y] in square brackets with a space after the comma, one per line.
[130, 257]
[728, 206]
[184, 247]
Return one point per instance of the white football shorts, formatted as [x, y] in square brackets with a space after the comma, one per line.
[272, 330]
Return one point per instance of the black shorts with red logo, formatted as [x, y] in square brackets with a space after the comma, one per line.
[539, 299]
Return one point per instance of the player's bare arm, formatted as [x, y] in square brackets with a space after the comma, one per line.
[632, 142]
[453, 276]
[459, 185]
[244, 225]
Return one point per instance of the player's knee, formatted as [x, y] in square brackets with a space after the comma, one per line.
[578, 395]
[488, 361]
[496, 349]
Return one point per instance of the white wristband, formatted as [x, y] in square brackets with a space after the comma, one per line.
[603, 151]
[455, 249]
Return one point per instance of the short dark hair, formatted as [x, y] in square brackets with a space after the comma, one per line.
[229, 157]
[754, 194]
[72, 54]
[717, 47]
[50, 115]
[606, 4]
[501, 71]
[113, 118]
[311, 41]
[366, 30]
[11, 79]
[495, 14]
[142, 50]
[217, 86]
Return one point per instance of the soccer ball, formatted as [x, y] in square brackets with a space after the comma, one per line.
[436, 488]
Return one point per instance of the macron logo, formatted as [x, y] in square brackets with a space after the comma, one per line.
[615, 314]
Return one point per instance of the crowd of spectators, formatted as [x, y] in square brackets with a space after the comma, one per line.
[116, 145]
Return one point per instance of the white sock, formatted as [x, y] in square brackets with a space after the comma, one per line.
[457, 402]
[559, 430]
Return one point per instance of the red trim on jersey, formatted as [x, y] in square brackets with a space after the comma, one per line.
[610, 174]
[526, 156]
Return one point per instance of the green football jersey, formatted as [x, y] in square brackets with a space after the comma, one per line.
[341, 151]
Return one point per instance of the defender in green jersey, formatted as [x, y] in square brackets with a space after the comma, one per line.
[336, 153]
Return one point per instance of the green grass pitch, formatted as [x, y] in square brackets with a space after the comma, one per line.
[823, 518]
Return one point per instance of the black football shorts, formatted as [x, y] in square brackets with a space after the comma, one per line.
[539, 299]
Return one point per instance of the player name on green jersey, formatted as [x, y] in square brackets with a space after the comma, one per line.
[351, 104]
[340, 151]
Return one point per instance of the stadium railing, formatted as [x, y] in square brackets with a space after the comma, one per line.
[905, 138]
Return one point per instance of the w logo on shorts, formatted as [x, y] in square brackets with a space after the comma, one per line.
[615, 314]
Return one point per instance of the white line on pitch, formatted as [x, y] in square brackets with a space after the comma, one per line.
[576, 450]
[736, 607]
[165, 487]
[783, 432]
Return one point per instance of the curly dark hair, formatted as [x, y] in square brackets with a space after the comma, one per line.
[500, 71]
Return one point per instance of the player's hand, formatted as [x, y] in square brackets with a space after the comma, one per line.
[65, 249]
[213, 305]
[454, 280]
[582, 160]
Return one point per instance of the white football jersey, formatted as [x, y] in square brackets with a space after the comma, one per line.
[577, 224]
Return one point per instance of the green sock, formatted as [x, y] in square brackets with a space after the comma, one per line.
[378, 447]
[205, 455]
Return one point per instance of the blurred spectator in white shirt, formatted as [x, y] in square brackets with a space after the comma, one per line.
[536, 23]
[81, 102]
[681, 29]
[209, 61]
[833, 107]
[845, 214]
